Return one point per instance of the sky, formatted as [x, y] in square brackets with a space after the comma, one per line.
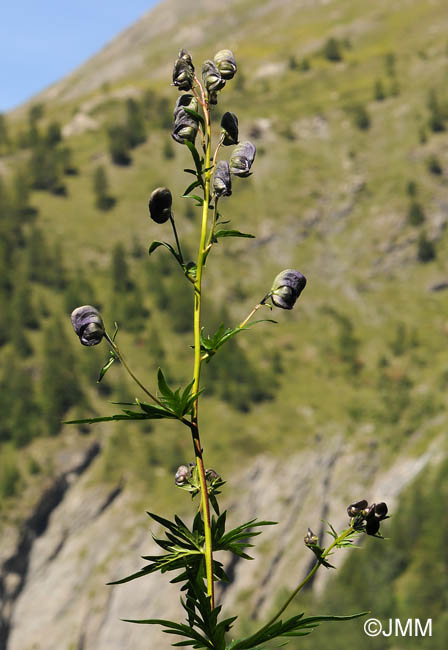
[41, 41]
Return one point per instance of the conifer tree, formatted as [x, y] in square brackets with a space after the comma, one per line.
[121, 281]
[103, 200]
[135, 126]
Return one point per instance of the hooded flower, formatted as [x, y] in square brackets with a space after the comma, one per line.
[160, 203]
[376, 513]
[226, 63]
[183, 73]
[211, 77]
[185, 126]
[229, 126]
[367, 518]
[222, 183]
[355, 509]
[242, 158]
[287, 287]
[88, 324]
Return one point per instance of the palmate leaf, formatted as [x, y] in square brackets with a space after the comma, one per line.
[148, 412]
[295, 626]
[238, 539]
[196, 639]
[211, 344]
[126, 415]
[179, 403]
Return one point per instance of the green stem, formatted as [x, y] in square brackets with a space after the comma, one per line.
[173, 225]
[254, 310]
[307, 578]
[197, 363]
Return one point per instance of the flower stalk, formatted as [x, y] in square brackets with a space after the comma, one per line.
[197, 356]
[335, 543]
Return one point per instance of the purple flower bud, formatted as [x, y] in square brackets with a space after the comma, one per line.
[88, 324]
[183, 73]
[182, 475]
[242, 158]
[287, 287]
[222, 183]
[160, 203]
[381, 511]
[355, 509]
[185, 126]
[229, 126]
[226, 63]
[310, 538]
[212, 77]
[211, 475]
[372, 526]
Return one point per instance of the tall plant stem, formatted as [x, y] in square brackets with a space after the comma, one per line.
[197, 364]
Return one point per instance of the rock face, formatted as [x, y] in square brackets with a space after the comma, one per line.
[82, 535]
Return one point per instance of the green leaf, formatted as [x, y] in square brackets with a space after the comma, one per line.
[126, 415]
[195, 115]
[175, 402]
[191, 187]
[156, 244]
[196, 158]
[106, 366]
[154, 411]
[196, 197]
[163, 386]
[212, 343]
[190, 270]
[174, 628]
[219, 234]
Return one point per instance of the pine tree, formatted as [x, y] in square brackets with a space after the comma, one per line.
[135, 126]
[332, 50]
[53, 135]
[103, 200]
[119, 274]
[119, 145]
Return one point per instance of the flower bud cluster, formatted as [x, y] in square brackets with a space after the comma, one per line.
[310, 538]
[367, 517]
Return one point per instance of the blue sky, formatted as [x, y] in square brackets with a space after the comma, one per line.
[43, 40]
